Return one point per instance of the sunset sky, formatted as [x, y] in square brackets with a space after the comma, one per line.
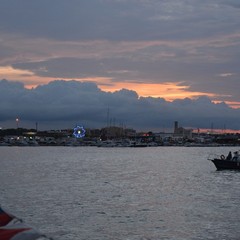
[168, 50]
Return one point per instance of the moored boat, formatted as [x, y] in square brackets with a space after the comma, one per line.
[227, 163]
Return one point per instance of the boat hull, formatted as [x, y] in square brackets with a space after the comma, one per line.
[225, 164]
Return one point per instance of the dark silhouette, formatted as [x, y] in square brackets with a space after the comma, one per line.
[229, 157]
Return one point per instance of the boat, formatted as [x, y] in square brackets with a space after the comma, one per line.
[226, 163]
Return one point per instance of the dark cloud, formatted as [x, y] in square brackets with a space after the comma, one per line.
[203, 77]
[67, 20]
[63, 103]
[232, 3]
[115, 20]
[190, 42]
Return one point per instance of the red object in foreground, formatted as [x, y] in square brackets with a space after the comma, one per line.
[7, 234]
[12, 228]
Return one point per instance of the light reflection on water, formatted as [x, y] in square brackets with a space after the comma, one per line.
[121, 193]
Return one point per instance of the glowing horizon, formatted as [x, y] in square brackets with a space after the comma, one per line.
[169, 91]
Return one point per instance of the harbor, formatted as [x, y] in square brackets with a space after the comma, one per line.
[116, 137]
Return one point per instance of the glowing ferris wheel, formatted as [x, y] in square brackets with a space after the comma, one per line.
[79, 132]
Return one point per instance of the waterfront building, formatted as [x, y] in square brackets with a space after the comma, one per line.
[180, 132]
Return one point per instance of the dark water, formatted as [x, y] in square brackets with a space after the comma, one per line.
[121, 193]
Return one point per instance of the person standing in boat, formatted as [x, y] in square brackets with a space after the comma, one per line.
[235, 156]
[229, 157]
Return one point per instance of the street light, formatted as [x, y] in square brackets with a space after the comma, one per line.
[17, 120]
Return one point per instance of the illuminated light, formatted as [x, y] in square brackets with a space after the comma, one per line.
[79, 132]
[17, 121]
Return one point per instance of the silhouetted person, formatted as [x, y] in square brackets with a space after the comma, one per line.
[235, 157]
[229, 157]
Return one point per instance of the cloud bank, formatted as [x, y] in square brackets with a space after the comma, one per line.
[63, 104]
[116, 43]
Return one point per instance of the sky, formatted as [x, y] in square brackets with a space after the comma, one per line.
[141, 64]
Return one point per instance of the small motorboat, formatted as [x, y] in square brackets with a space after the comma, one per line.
[230, 162]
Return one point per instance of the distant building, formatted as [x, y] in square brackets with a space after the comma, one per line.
[180, 132]
[116, 132]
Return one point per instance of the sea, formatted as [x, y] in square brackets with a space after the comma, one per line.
[151, 193]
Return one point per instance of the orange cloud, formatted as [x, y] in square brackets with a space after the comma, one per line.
[168, 91]
[11, 72]
[27, 77]
[230, 103]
